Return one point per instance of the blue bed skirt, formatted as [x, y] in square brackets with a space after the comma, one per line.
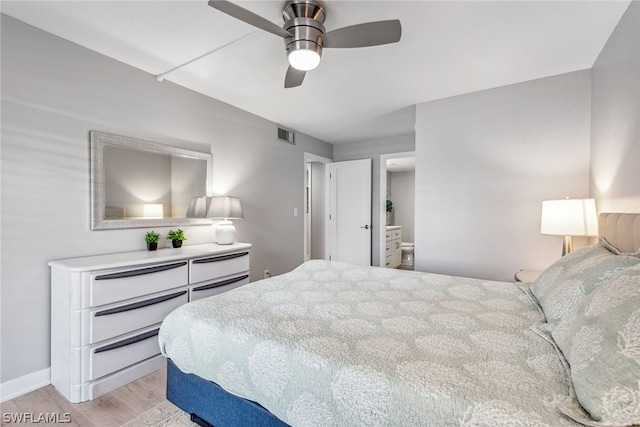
[205, 400]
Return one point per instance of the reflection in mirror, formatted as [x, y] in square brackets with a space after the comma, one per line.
[140, 184]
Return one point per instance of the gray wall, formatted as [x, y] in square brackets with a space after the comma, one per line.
[53, 93]
[372, 150]
[615, 125]
[485, 162]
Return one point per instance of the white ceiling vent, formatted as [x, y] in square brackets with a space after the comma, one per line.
[286, 135]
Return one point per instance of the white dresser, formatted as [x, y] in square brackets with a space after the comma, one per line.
[394, 246]
[106, 310]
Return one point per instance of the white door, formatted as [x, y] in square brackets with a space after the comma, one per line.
[349, 231]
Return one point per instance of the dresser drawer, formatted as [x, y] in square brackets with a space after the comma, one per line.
[393, 260]
[213, 267]
[217, 287]
[394, 234]
[113, 321]
[396, 257]
[107, 358]
[107, 288]
[393, 245]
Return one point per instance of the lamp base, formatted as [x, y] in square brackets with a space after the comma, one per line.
[225, 232]
[567, 245]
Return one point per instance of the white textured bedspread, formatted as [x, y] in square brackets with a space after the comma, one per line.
[334, 344]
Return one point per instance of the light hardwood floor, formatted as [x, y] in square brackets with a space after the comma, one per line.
[112, 409]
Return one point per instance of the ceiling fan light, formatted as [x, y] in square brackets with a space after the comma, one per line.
[304, 59]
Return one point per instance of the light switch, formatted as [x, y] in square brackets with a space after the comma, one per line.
[295, 211]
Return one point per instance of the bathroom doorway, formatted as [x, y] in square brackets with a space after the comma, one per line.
[315, 196]
[397, 207]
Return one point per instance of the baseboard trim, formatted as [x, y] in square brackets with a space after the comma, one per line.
[24, 384]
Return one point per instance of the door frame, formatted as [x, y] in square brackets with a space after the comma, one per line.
[310, 158]
[382, 226]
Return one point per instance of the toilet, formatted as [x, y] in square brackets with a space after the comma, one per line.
[407, 255]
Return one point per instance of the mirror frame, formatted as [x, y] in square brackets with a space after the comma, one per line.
[98, 141]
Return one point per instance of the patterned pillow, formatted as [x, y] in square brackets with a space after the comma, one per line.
[563, 285]
[601, 342]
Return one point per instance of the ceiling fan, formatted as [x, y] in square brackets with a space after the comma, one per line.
[304, 35]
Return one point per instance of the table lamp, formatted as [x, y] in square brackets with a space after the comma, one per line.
[569, 217]
[152, 210]
[225, 208]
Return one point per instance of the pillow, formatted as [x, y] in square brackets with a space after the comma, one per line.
[601, 342]
[563, 285]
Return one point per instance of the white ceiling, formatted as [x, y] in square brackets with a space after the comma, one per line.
[447, 48]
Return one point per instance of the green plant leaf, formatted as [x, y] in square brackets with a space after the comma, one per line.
[151, 237]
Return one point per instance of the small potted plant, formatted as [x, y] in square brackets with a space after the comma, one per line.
[176, 238]
[152, 240]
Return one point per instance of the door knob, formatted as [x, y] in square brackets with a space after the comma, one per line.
[366, 227]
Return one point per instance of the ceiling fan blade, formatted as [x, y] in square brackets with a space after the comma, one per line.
[250, 18]
[364, 35]
[294, 77]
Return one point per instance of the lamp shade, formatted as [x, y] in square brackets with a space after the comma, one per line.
[569, 217]
[152, 210]
[225, 207]
[197, 207]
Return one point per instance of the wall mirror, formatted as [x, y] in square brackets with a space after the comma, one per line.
[137, 183]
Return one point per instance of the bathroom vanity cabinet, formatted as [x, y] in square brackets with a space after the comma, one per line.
[393, 246]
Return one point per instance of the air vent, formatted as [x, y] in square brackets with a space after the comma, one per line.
[286, 135]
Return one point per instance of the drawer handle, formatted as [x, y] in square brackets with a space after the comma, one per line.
[221, 283]
[128, 341]
[219, 258]
[140, 272]
[140, 304]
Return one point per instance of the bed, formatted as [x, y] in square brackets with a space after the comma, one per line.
[335, 344]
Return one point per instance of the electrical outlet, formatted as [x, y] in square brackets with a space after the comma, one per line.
[267, 274]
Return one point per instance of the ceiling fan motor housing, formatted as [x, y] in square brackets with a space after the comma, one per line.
[304, 19]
